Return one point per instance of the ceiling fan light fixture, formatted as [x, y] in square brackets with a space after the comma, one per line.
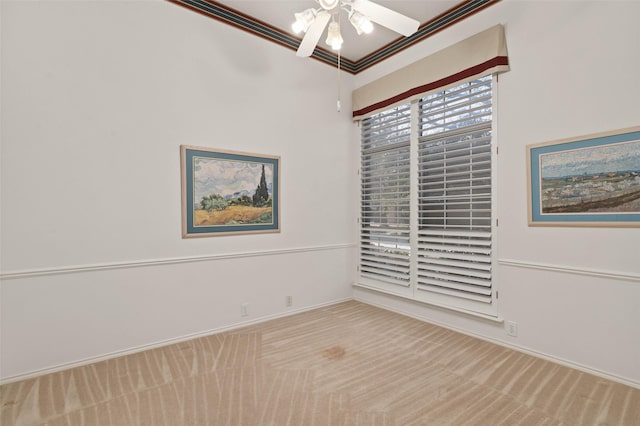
[361, 13]
[303, 21]
[328, 4]
[334, 38]
[360, 22]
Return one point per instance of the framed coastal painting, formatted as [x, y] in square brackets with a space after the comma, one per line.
[228, 193]
[592, 180]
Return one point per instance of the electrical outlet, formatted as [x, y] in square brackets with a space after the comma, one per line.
[289, 301]
[512, 328]
[243, 309]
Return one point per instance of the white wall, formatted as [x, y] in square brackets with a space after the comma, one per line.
[96, 99]
[574, 292]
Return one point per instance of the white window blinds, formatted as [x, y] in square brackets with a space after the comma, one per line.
[426, 207]
[454, 192]
[385, 191]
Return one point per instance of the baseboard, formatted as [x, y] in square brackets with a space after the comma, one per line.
[159, 344]
[522, 349]
[141, 348]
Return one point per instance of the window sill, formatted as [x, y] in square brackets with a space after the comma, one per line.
[473, 314]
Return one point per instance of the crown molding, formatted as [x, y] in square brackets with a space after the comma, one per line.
[235, 18]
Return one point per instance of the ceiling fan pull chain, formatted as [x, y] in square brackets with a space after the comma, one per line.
[339, 85]
[339, 81]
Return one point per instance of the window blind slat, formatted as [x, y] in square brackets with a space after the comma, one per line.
[460, 264]
[457, 293]
[468, 234]
[460, 241]
[389, 279]
[365, 258]
[454, 281]
[385, 268]
[462, 273]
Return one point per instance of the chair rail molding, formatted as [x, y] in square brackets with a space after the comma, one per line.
[29, 273]
[625, 276]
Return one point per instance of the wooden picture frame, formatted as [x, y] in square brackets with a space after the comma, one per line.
[228, 192]
[591, 180]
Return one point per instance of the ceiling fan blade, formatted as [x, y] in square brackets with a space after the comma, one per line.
[310, 40]
[393, 20]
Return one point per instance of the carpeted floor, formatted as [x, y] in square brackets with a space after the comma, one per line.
[347, 364]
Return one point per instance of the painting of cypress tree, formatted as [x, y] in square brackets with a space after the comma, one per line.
[261, 196]
[227, 192]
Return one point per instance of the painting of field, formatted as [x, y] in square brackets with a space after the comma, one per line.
[602, 179]
[233, 215]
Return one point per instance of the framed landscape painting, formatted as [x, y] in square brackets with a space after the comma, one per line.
[227, 193]
[588, 181]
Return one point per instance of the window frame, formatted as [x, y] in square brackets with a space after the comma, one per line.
[413, 290]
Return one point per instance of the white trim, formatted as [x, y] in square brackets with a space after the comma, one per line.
[495, 190]
[414, 196]
[551, 358]
[424, 302]
[627, 276]
[141, 348]
[29, 273]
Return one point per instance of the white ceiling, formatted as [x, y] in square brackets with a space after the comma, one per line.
[279, 14]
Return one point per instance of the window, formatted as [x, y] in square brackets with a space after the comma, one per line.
[426, 211]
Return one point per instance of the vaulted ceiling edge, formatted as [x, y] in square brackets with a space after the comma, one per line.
[259, 28]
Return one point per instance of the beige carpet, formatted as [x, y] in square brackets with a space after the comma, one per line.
[347, 364]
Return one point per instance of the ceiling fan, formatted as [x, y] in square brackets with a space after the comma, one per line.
[361, 15]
